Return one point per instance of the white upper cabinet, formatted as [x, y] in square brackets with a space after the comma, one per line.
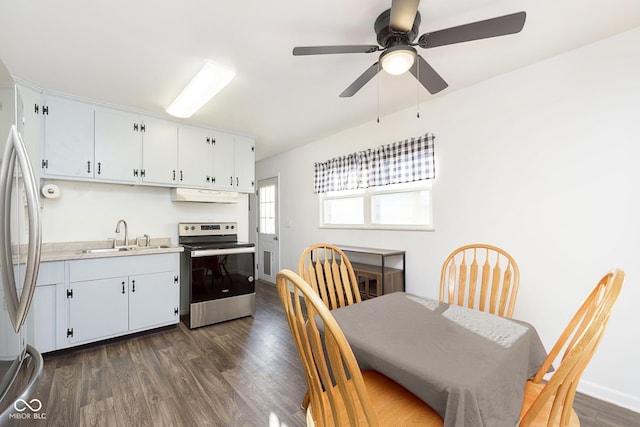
[68, 138]
[194, 156]
[159, 151]
[244, 164]
[234, 163]
[223, 163]
[118, 145]
[132, 148]
[83, 141]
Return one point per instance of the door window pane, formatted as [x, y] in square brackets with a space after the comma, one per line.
[267, 199]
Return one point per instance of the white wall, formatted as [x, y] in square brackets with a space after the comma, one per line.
[542, 162]
[90, 211]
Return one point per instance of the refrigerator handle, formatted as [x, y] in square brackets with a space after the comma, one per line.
[15, 150]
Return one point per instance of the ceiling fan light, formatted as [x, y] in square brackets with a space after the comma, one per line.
[398, 59]
[210, 80]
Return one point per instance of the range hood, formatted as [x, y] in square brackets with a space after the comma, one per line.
[203, 196]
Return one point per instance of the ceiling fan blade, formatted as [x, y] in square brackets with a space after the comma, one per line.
[427, 76]
[324, 50]
[500, 26]
[403, 13]
[361, 81]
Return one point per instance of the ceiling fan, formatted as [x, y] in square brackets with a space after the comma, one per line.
[396, 30]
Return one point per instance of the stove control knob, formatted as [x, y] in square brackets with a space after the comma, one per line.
[233, 226]
[186, 227]
[193, 228]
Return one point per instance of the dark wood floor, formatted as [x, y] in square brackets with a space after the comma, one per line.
[244, 372]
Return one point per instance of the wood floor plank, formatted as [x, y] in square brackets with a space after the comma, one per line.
[98, 413]
[64, 397]
[128, 397]
[96, 378]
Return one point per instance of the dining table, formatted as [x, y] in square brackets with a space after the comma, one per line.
[470, 366]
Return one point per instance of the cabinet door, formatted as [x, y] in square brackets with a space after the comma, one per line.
[159, 151]
[118, 145]
[41, 322]
[194, 157]
[223, 162]
[153, 300]
[244, 162]
[98, 309]
[68, 138]
[29, 110]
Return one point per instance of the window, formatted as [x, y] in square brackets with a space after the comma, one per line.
[385, 187]
[399, 206]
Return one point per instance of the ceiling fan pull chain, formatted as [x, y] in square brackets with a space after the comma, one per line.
[378, 94]
[418, 90]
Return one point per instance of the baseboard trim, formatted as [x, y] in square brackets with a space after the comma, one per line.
[609, 395]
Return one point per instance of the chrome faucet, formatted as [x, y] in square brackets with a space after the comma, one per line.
[126, 231]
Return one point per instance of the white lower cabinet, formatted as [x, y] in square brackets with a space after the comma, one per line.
[98, 309]
[158, 287]
[42, 320]
[81, 301]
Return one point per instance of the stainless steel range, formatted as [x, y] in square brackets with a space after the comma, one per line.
[217, 271]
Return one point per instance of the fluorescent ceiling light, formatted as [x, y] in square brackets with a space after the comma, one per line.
[209, 81]
[398, 59]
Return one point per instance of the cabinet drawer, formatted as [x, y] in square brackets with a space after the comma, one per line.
[100, 268]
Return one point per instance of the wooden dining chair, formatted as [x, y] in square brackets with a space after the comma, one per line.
[551, 403]
[341, 394]
[328, 270]
[480, 276]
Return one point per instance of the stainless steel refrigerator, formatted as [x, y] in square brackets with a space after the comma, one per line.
[20, 364]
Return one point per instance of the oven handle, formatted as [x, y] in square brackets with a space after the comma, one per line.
[210, 252]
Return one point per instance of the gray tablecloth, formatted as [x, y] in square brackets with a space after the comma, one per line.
[468, 365]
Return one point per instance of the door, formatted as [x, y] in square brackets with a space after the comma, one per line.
[268, 226]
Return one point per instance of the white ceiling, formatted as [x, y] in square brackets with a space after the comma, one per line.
[141, 53]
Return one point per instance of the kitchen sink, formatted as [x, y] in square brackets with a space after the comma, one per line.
[107, 250]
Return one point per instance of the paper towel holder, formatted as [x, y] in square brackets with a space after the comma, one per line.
[50, 191]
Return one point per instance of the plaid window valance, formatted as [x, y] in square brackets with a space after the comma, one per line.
[404, 161]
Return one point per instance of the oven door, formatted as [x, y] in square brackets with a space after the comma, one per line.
[221, 273]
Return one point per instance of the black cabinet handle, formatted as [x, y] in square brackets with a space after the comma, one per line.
[180, 175]
[88, 167]
[133, 286]
[174, 175]
[99, 167]
[123, 287]
[135, 127]
[231, 180]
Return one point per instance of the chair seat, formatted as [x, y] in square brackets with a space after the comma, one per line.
[531, 392]
[394, 405]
